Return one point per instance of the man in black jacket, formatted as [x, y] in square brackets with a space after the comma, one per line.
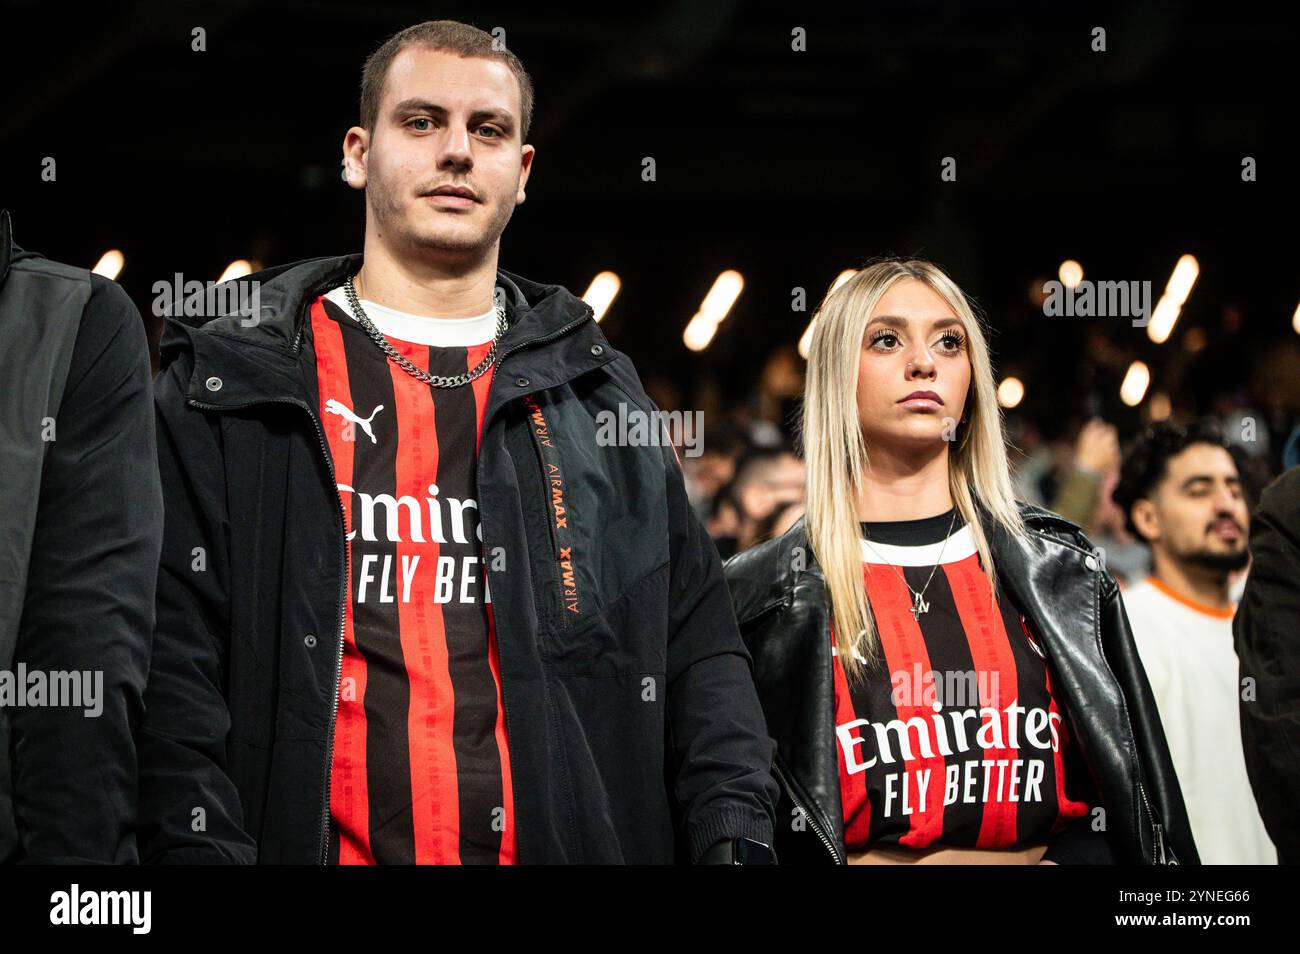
[414, 604]
[80, 533]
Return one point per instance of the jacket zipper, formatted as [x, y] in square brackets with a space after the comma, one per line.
[812, 821]
[1158, 855]
[338, 663]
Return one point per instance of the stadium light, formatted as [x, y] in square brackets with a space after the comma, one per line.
[1170, 305]
[602, 291]
[1136, 380]
[1011, 392]
[110, 264]
[1070, 273]
[717, 303]
[236, 269]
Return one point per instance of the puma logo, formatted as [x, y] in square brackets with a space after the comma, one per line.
[334, 407]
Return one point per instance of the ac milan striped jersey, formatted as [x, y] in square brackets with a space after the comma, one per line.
[420, 769]
[954, 737]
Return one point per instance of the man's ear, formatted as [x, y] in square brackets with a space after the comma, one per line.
[525, 167]
[356, 146]
[1146, 519]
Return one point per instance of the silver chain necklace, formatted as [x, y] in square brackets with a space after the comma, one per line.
[433, 380]
[919, 605]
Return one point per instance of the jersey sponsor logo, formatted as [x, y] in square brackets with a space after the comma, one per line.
[911, 743]
[931, 734]
[450, 519]
[388, 578]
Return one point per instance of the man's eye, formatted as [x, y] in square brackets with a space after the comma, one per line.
[421, 119]
[492, 129]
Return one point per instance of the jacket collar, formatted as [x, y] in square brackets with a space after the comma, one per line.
[1045, 568]
[251, 357]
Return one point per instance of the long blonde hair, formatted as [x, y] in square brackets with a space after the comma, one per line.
[836, 453]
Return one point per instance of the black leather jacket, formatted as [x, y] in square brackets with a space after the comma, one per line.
[1056, 578]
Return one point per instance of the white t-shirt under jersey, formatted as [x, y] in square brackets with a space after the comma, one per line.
[1187, 651]
[437, 332]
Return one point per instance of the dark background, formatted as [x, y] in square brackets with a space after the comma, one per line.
[787, 166]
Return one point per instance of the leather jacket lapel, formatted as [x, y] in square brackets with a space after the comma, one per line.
[1057, 587]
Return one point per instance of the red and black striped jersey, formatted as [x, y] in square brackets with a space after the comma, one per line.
[421, 768]
[954, 737]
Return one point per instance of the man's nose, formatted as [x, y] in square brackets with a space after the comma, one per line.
[454, 148]
[1227, 505]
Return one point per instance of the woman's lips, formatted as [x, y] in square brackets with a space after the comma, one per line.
[922, 401]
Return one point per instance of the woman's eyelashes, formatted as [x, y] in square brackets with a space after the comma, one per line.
[950, 342]
[887, 338]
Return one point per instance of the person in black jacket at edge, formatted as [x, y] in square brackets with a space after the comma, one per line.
[417, 603]
[1265, 631]
[80, 533]
[922, 712]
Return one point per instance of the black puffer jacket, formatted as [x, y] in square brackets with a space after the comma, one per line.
[1055, 577]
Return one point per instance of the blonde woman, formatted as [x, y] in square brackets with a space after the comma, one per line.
[949, 675]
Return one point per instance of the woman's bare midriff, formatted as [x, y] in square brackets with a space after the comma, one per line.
[889, 855]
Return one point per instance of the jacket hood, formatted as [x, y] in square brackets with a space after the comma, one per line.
[245, 336]
[268, 308]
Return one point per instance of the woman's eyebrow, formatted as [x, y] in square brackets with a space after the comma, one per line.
[895, 321]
